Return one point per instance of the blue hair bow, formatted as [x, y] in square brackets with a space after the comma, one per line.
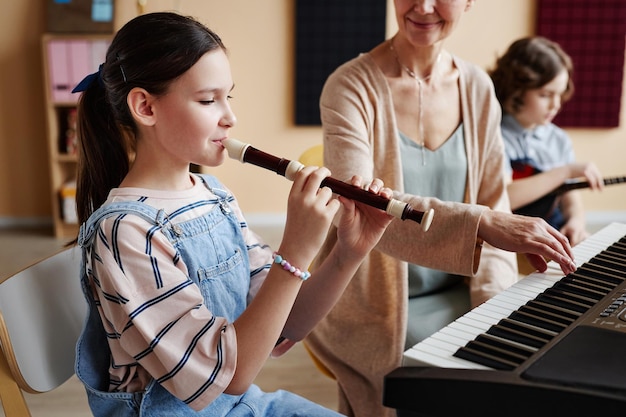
[89, 80]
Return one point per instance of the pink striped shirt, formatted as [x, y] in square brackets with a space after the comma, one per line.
[172, 313]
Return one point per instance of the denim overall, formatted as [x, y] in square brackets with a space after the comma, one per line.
[213, 249]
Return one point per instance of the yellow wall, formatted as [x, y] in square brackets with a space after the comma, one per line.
[259, 35]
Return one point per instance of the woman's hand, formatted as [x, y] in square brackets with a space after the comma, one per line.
[531, 236]
[360, 226]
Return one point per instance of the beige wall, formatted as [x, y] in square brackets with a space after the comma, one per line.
[260, 38]
[24, 186]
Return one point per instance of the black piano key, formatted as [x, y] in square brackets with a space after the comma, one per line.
[567, 284]
[620, 242]
[607, 253]
[531, 318]
[561, 290]
[548, 313]
[510, 346]
[516, 336]
[599, 268]
[493, 352]
[558, 311]
[520, 333]
[585, 276]
[585, 270]
[475, 356]
[561, 302]
[619, 245]
[590, 283]
[613, 256]
[528, 329]
[582, 288]
[608, 263]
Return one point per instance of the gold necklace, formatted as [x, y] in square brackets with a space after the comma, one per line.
[419, 80]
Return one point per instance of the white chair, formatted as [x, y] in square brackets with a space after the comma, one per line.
[42, 310]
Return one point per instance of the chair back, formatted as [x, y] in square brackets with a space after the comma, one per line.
[42, 311]
[313, 156]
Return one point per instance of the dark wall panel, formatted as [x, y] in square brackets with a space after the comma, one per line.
[593, 33]
[329, 33]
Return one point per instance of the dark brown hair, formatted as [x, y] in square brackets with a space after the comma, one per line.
[529, 63]
[149, 52]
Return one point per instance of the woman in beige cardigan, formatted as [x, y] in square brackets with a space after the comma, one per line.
[366, 105]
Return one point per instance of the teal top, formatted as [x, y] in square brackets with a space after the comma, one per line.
[436, 298]
[442, 174]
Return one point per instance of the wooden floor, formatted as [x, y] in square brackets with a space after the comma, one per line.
[293, 372]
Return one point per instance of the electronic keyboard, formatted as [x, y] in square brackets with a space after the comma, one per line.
[549, 345]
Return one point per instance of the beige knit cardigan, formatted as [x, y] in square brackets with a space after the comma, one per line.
[362, 339]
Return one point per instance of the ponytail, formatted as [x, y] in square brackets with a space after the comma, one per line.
[103, 151]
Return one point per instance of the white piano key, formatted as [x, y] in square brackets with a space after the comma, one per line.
[529, 287]
[484, 314]
[476, 324]
[537, 282]
[441, 345]
[463, 327]
[515, 296]
[463, 335]
[449, 338]
[524, 290]
[498, 301]
[414, 357]
[503, 302]
[541, 284]
[491, 308]
[426, 352]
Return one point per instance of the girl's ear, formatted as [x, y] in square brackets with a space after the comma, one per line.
[140, 105]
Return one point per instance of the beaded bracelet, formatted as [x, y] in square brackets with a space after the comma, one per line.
[303, 275]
